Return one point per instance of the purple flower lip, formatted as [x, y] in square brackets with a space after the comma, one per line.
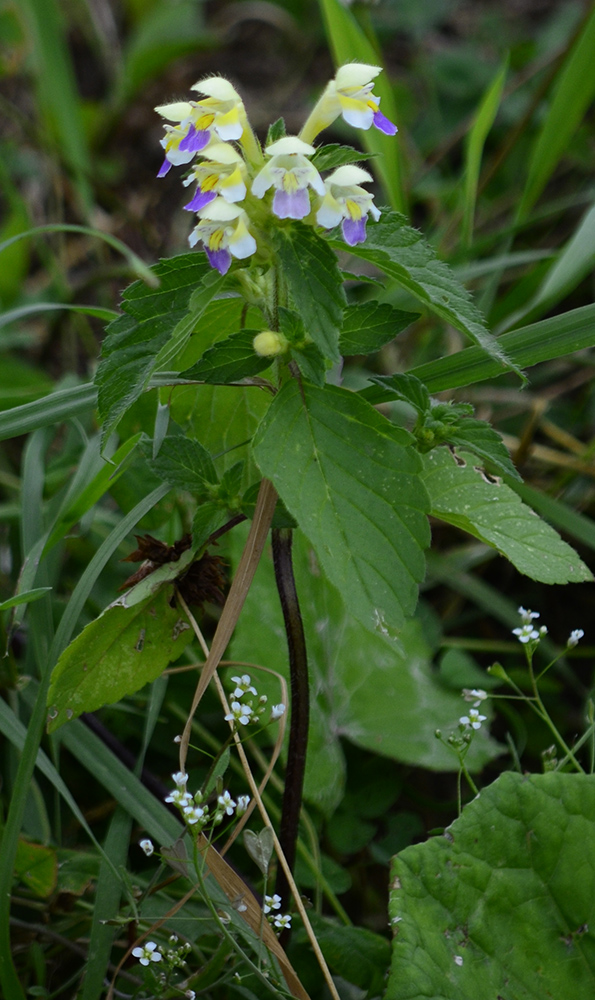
[164, 168]
[219, 259]
[354, 230]
[381, 122]
[201, 198]
[291, 205]
[195, 140]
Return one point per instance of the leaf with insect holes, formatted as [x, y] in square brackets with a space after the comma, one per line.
[116, 655]
[486, 508]
[352, 481]
[502, 904]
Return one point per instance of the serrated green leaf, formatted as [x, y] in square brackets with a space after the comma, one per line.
[407, 388]
[335, 155]
[229, 360]
[403, 253]
[491, 511]
[380, 695]
[347, 476]
[116, 655]
[315, 284]
[310, 363]
[134, 340]
[371, 325]
[211, 284]
[504, 904]
[184, 463]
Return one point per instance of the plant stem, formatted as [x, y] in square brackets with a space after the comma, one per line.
[300, 702]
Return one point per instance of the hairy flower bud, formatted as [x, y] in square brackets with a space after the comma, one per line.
[269, 344]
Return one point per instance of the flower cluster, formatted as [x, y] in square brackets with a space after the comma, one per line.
[527, 632]
[242, 711]
[196, 812]
[279, 920]
[233, 176]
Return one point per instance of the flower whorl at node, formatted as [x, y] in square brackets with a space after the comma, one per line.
[231, 180]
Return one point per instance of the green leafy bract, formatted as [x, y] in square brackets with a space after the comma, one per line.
[229, 360]
[370, 325]
[353, 485]
[502, 905]
[448, 423]
[380, 695]
[184, 463]
[334, 155]
[151, 318]
[118, 653]
[315, 284]
[486, 508]
[402, 253]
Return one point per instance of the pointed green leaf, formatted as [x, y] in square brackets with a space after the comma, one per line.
[134, 340]
[315, 284]
[403, 253]
[37, 867]
[229, 360]
[574, 89]
[503, 904]
[184, 463]
[371, 325]
[335, 155]
[347, 476]
[115, 655]
[24, 598]
[489, 510]
[480, 437]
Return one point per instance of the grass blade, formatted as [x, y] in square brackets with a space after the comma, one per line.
[37, 307]
[476, 138]
[574, 92]
[53, 409]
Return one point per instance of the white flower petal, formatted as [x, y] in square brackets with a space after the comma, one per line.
[175, 112]
[348, 175]
[217, 87]
[289, 144]
[355, 75]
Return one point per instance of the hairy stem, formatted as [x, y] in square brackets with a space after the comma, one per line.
[300, 702]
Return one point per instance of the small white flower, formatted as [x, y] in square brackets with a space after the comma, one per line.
[179, 798]
[476, 695]
[227, 803]
[242, 804]
[277, 711]
[458, 959]
[180, 779]
[193, 814]
[575, 637]
[239, 713]
[190, 995]
[281, 921]
[243, 686]
[173, 938]
[474, 719]
[177, 739]
[148, 953]
[272, 903]
[147, 847]
[527, 616]
[526, 633]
